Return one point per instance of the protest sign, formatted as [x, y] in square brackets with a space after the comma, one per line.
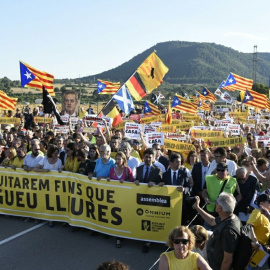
[197, 133]
[234, 129]
[146, 120]
[149, 129]
[166, 127]
[224, 142]
[132, 130]
[155, 137]
[61, 129]
[223, 122]
[177, 136]
[114, 208]
[178, 146]
[43, 119]
[10, 120]
[264, 139]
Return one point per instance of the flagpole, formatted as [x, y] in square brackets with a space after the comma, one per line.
[126, 81]
[116, 93]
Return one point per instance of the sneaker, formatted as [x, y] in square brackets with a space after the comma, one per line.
[145, 247]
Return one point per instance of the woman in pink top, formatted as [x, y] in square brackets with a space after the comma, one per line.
[121, 171]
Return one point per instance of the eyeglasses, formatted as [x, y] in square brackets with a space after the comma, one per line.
[136, 143]
[158, 149]
[182, 241]
[220, 170]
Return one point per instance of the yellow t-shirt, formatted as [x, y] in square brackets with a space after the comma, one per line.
[113, 154]
[7, 163]
[190, 262]
[18, 163]
[135, 154]
[261, 226]
[72, 165]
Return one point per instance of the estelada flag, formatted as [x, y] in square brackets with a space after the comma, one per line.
[152, 72]
[34, 78]
[208, 95]
[106, 87]
[6, 102]
[150, 108]
[254, 99]
[183, 104]
[236, 82]
[111, 111]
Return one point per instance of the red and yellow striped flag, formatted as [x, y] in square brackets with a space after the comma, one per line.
[6, 102]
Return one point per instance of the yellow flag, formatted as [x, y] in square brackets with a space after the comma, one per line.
[152, 71]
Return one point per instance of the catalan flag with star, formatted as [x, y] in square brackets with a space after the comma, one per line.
[254, 99]
[34, 78]
[203, 106]
[236, 82]
[106, 87]
[182, 104]
[150, 108]
[208, 95]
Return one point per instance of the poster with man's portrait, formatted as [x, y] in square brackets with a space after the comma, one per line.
[70, 102]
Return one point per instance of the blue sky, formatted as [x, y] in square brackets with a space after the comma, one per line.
[72, 39]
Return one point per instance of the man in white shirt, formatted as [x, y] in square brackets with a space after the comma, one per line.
[220, 156]
[31, 160]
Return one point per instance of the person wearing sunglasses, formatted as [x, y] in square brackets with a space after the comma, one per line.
[220, 156]
[181, 240]
[217, 183]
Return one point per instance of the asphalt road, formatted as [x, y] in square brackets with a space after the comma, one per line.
[31, 246]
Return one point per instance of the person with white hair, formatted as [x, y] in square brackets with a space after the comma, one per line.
[104, 163]
[223, 243]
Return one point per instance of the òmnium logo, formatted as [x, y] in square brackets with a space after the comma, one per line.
[146, 225]
[139, 211]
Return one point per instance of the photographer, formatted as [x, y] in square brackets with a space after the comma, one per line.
[223, 242]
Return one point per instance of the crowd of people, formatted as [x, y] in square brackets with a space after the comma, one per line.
[227, 186]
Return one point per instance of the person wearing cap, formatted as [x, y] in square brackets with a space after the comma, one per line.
[217, 183]
[220, 156]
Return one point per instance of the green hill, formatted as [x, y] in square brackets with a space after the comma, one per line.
[192, 62]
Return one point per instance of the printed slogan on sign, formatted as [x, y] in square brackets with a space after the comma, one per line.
[119, 209]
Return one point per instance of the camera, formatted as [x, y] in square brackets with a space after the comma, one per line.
[191, 200]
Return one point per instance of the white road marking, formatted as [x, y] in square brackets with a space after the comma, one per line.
[22, 233]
